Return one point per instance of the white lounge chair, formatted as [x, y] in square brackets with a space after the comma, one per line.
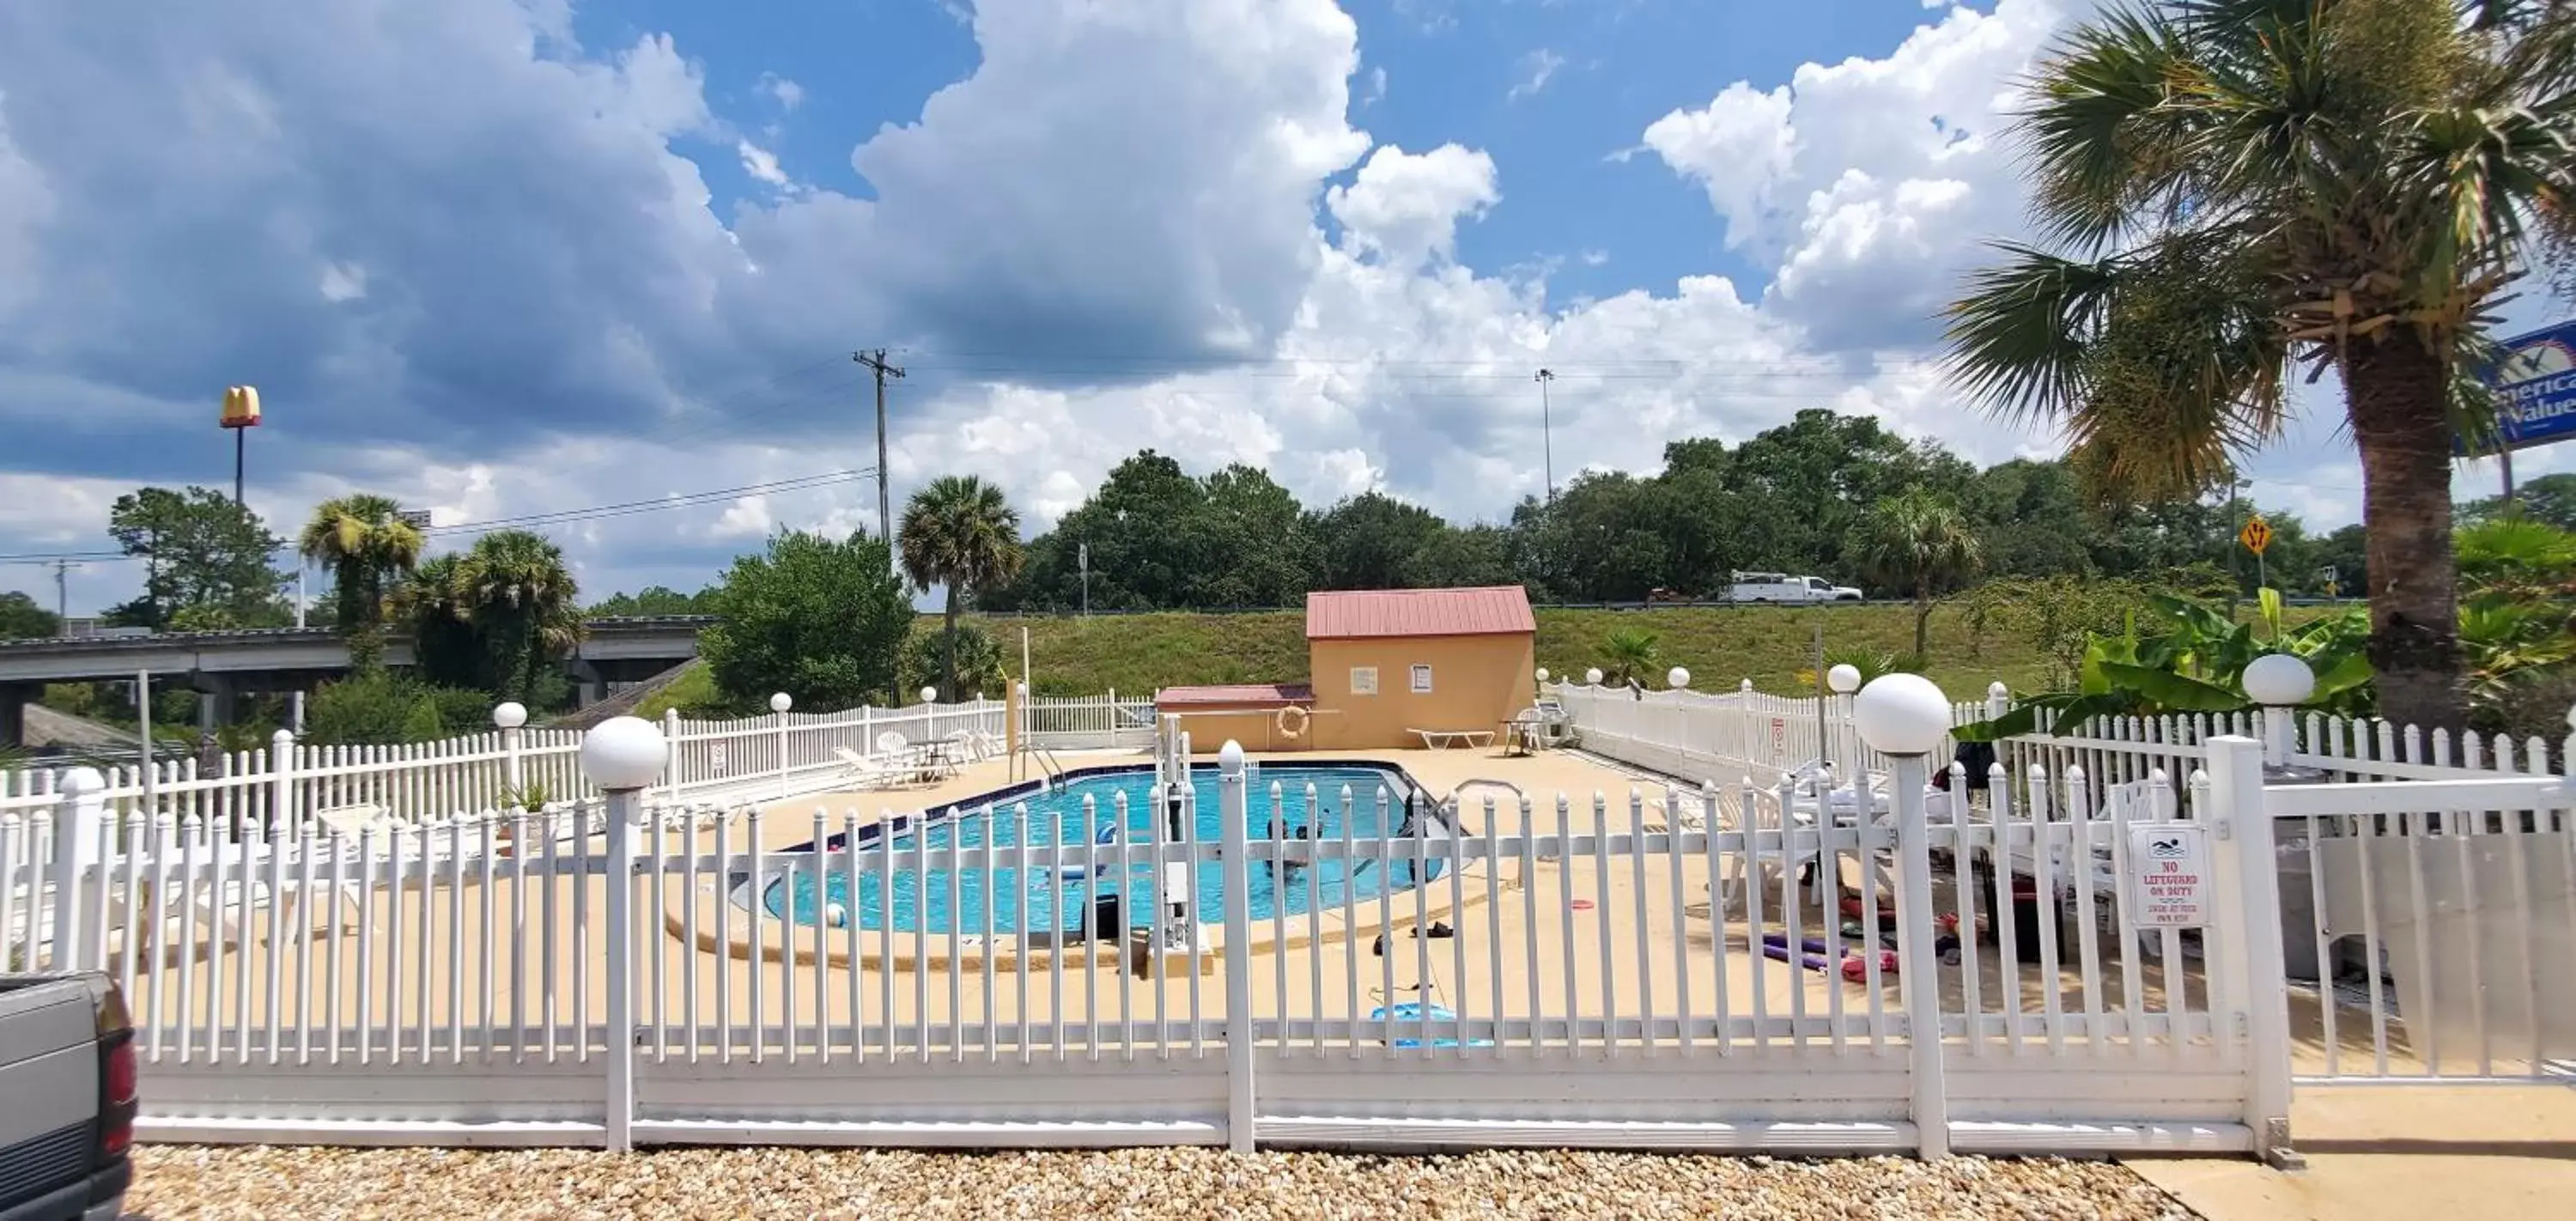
[869, 771]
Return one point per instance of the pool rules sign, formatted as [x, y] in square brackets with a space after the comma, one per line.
[2169, 884]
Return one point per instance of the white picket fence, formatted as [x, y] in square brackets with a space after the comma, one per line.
[2412, 922]
[769, 756]
[1087, 722]
[1711, 966]
[523, 980]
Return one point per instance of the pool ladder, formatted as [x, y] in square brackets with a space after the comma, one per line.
[1048, 767]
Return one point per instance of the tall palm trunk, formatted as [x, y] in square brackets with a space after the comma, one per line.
[948, 650]
[1922, 618]
[2396, 391]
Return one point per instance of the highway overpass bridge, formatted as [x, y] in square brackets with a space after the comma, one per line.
[225, 664]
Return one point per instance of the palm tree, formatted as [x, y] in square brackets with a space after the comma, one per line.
[526, 609]
[364, 542]
[1627, 656]
[430, 604]
[2229, 189]
[960, 533]
[1920, 543]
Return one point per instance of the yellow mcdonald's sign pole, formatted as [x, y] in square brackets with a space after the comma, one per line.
[241, 413]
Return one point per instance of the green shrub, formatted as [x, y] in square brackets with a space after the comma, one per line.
[381, 707]
[979, 662]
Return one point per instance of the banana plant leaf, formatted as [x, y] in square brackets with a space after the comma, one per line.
[2170, 692]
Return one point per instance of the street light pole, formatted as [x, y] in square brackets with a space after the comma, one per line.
[1547, 432]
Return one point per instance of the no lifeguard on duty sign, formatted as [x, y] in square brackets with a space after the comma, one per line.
[2168, 876]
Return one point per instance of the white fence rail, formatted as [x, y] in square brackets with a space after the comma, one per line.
[771, 756]
[1267, 962]
[2427, 879]
[1087, 723]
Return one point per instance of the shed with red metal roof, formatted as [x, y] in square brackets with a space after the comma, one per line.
[1388, 665]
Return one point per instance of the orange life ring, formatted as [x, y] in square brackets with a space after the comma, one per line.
[1291, 722]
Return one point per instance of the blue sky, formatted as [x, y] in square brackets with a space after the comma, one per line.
[511, 257]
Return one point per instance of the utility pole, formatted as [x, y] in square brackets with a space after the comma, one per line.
[1547, 432]
[876, 363]
[62, 595]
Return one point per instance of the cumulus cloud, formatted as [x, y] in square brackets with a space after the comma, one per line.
[473, 265]
[1871, 183]
[1405, 208]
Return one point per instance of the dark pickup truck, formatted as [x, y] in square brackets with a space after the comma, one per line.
[67, 1097]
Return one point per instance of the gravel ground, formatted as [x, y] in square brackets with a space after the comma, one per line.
[283, 1184]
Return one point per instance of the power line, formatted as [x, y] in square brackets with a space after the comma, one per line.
[632, 507]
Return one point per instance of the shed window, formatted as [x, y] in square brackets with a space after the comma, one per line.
[1422, 680]
[1363, 680]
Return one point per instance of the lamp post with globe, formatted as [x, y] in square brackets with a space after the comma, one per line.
[1841, 681]
[622, 755]
[1905, 717]
[508, 717]
[779, 703]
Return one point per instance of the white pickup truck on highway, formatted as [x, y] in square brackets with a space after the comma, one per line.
[1781, 587]
[67, 1098]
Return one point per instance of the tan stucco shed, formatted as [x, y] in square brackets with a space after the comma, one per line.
[1384, 663]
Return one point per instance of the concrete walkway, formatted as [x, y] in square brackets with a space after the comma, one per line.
[2403, 1154]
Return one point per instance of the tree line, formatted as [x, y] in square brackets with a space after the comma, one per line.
[1822, 495]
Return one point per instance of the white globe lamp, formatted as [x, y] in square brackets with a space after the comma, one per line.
[781, 702]
[1542, 674]
[1592, 677]
[623, 753]
[1678, 678]
[930, 695]
[1902, 714]
[1844, 678]
[510, 715]
[2279, 680]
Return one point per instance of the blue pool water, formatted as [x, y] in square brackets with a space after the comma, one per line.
[1002, 902]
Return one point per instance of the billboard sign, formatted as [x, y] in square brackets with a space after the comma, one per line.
[2535, 385]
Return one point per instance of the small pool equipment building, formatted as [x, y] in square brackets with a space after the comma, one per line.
[1384, 666]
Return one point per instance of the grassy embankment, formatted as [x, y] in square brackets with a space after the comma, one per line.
[1720, 646]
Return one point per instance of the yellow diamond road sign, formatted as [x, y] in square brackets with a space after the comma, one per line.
[2256, 535]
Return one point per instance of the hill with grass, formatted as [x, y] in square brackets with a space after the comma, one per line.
[1772, 645]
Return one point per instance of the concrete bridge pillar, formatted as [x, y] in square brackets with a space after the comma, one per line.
[215, 700]
[14, 698]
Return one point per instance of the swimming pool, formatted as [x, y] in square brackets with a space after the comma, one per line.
[972, 900]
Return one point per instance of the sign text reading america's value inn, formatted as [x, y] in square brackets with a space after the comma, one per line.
[2535, 385]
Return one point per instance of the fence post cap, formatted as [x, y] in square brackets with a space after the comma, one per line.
[623, 753]
[1998, 691]
[2278, 680]
[1678, 677]
[1902, 714]
[1745, 686]
[80, 781]
[781, 702]
[1592, 677]
[283, 737]
[1229, 758]
[510, 714]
